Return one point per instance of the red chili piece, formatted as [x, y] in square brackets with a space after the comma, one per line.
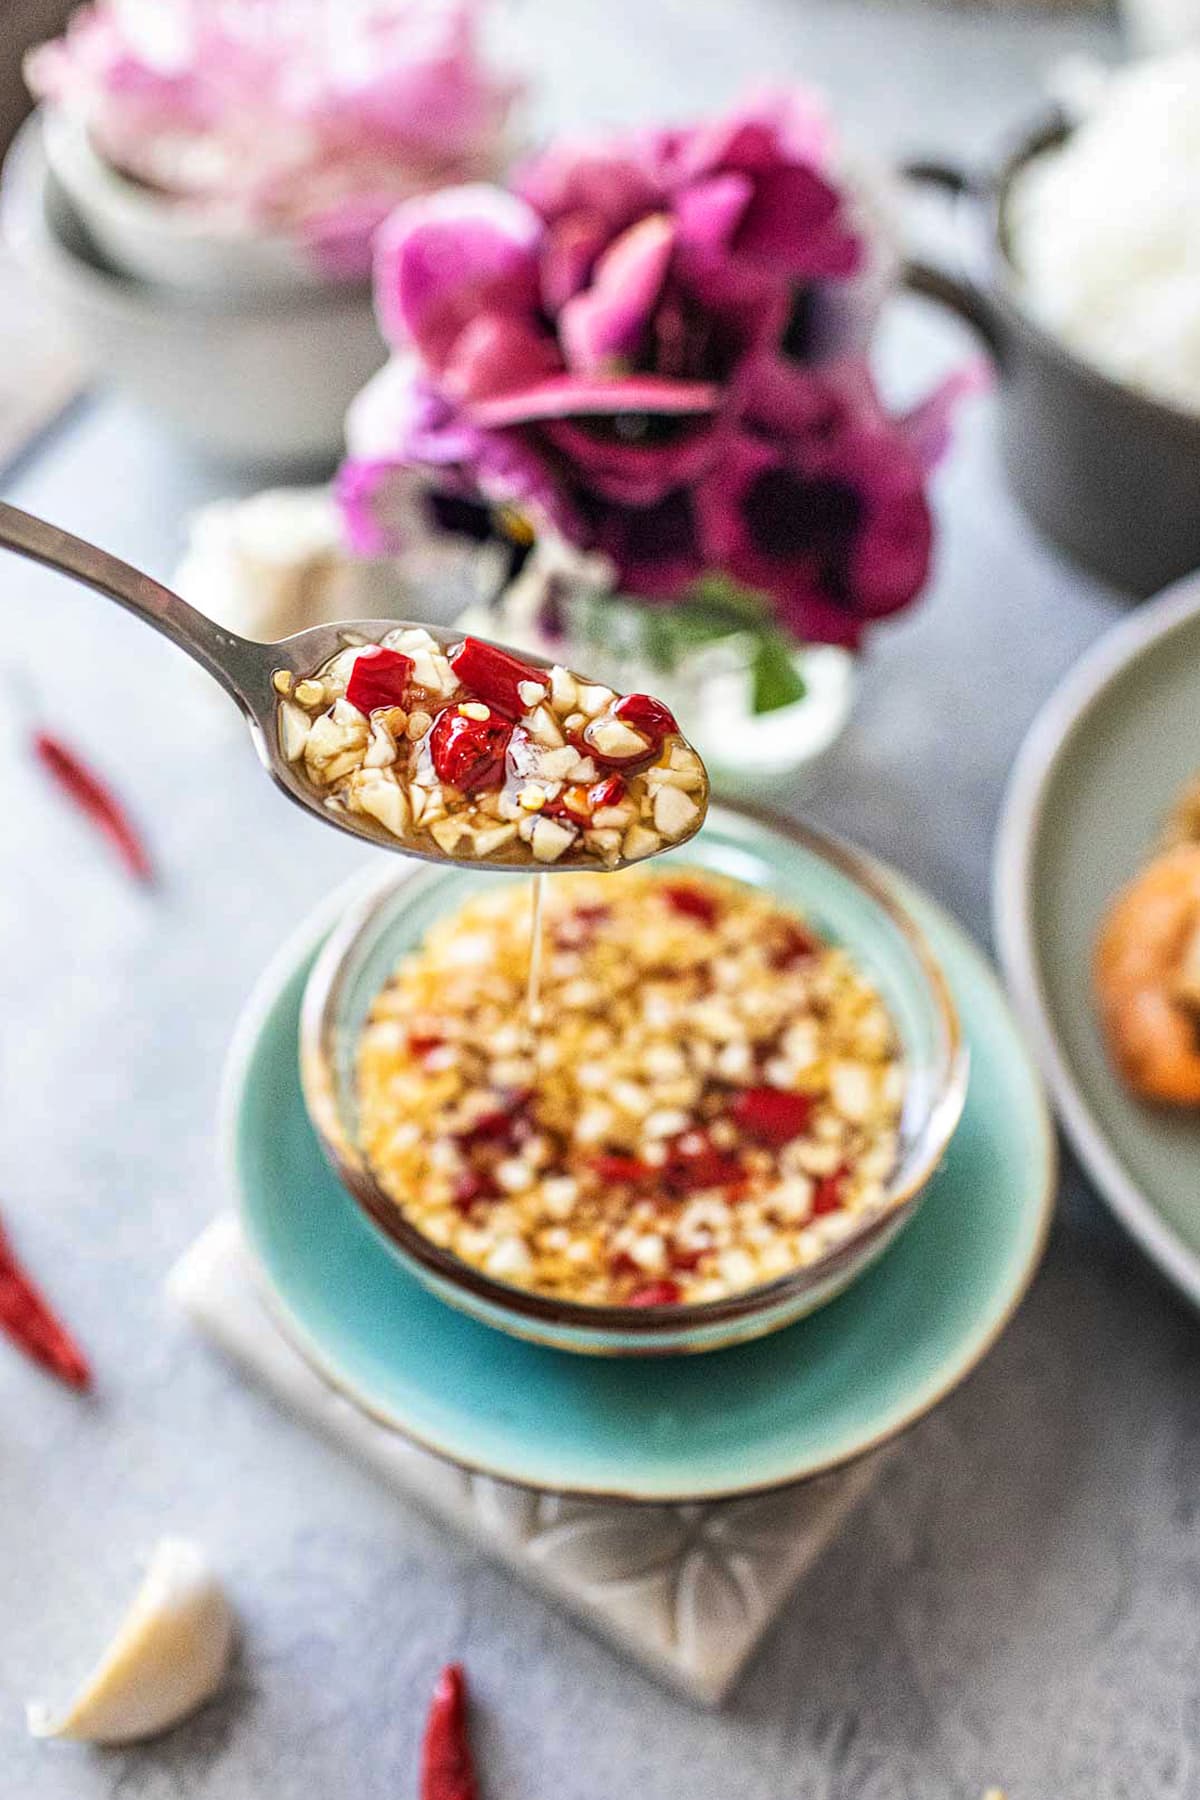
[694, 1161]
[95, 801]
[380, 677]
[685, 1260]
[772, 1116]
[609, 792]
[469, 753]
[473, 1185]
[502, 1123]
[693, 903]
[561, 808]
[647, 715]
[830, 1191]
[795, 945]
[447, 1768]
[619, 1168]
[28, 1321]
[494, 676]
[657, 1293]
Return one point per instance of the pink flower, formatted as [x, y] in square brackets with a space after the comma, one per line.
[820, 502]
[278, 119]
[748, 198]
[617, 346]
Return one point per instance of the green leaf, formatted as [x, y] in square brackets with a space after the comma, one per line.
[777, 680]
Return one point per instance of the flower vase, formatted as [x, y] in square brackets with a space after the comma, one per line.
[711, 686]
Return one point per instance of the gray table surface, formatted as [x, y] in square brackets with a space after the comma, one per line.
[1017, 1604]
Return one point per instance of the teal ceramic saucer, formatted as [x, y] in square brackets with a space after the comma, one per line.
[736, 1421]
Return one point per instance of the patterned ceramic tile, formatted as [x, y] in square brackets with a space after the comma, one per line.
[688, 1591]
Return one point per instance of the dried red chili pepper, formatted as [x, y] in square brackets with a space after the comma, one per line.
[447, 1769]
[28, 1321]
[96, 801]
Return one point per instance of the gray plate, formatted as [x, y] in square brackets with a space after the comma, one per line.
[1098, 772]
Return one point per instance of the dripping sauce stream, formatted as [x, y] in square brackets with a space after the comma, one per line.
[533, 995]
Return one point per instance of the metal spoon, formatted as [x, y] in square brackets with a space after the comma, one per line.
[246, 670]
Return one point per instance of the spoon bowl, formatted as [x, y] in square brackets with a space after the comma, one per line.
[250, 673]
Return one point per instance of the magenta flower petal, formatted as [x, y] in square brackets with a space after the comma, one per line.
[401, 416]
[795, 221]
[594, 180]
[772, 126]
[928, 426]
[637, 468]
[785, 399]
[443, 258]
[654, 549]
[495, 354]
[572, 247]
[709, 212]
[361, 490]
[890, 561]
[578, 396]
[603, 327]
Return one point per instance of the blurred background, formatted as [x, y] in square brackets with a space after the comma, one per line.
[1017, 1601]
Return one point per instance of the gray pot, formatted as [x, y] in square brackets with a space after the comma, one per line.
[1110, 475]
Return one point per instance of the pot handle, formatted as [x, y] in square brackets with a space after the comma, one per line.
[952, 288]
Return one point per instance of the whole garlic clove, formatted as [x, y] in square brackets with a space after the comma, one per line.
[168, 1657]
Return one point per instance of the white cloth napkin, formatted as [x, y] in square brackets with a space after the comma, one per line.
[686, 1591]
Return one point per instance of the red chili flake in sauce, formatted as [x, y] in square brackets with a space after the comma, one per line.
[499, 1124]
[494, 676]
[472, 1185]
[685, 1260]
[566, 806]
[692, 902]
[447, 1769]
[657, 1293]
[619, 1168]
[592, 912]
[694, 1161]
[647, 715]
[469, 753]
[793, 945]
[380, 677]
[421, 1046]
[609, 792]
[830, 1191]
[771, 1115]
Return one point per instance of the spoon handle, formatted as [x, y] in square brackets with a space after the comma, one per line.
[238, 664]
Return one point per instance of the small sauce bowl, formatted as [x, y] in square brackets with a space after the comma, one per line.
[843, 898]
